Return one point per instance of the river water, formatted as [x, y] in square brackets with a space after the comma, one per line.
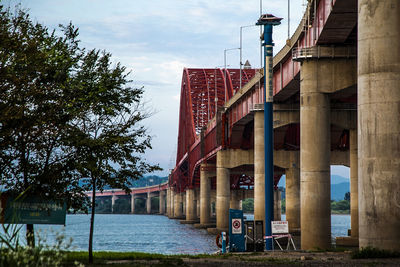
[147, 233]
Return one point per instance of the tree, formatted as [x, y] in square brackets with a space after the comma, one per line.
[35, 67]
[106, 133]
[347, 196]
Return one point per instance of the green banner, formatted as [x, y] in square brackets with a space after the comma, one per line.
[32, 210]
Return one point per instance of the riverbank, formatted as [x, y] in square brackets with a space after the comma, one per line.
[281, 258]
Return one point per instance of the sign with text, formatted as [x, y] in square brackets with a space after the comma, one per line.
[279, 227]
[32, 210]
[236, 226]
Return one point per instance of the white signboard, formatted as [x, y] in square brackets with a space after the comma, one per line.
[279, 227]
[236, 226]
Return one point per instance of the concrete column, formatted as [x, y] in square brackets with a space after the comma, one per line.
[183, 203]
[113, 199]
[235, 200]
[293, 194]
[133, 203]
[197, 197]
[190, 205]
[172, 204]
[379, 123]
[177, 205]
[223, 193]
[162, 202]
[314, 159]
[168, 200]
[277, 205]
[354, 183]
[259, 167]
[148, 203]
[205, 196]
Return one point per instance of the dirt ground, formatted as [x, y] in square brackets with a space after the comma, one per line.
[291, 258]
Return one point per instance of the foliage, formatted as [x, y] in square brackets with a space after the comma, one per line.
[248, 205]
[347, 196]
[283, 206]
[343, 205]
[370, 252]
[14, 253]
[35, 71]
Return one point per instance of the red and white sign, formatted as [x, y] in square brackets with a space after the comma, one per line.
[236, 226]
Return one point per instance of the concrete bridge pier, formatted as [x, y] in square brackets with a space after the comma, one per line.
[235, 199]
[148, 203]
[113, 199]
[354, 183]
[314, 157]
[168, 202]
[223, 194]
[293, 193]
[259, 167]
[197, 200]
[178, 206]
[379, 123]
[206, 170]
[162, 201]
[190, 206]
[172, 204]
[133, 198]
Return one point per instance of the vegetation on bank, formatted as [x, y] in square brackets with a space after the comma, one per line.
[66, 113]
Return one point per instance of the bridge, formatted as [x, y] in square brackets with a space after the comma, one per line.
[146, 193]
[336, 101]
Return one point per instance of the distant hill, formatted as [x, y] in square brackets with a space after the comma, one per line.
[339, 190]
[339, 186]
[142, 182]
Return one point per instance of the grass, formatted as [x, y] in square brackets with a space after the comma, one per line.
[104, 257]
[369, 253]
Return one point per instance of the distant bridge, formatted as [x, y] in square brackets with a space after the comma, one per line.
[146, 192]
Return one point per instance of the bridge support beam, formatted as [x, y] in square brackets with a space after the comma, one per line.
[133, 203]
[113, 199]
[293, 193]
[259, 167]
[148, 203]
[379, 123]
[223, 193]
[314, 158]
[162, 202]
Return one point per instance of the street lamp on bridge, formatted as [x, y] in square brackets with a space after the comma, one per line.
[268, 21]
[228, 49]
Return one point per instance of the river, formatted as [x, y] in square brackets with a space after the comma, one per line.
[147, 233]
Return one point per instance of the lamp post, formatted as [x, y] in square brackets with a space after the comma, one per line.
[229, 49]
[268, 21]
[241, 47]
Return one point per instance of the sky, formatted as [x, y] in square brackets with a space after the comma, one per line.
[156, 39]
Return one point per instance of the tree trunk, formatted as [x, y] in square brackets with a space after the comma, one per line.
[92, 221]
[30, 235]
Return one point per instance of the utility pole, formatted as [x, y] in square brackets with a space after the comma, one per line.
[268, 21]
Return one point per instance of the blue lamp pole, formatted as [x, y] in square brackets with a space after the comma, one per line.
[268, 21]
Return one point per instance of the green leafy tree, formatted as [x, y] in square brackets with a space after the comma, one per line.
[35, 67]
[106, 132]
[347, 196]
